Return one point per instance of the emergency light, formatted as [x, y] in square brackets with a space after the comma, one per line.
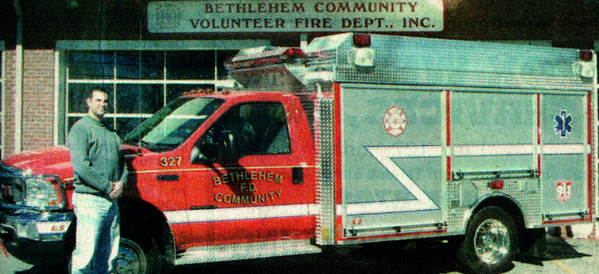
[586, 66]
[268, 57]
[586, 55]
[361, 54]
[362, 40]
[294, 53]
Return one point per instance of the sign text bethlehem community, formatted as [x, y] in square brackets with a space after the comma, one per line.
[293, 16]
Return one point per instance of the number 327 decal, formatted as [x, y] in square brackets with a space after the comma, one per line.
[170, 161]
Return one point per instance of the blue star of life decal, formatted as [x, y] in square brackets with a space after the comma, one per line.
[563, 127]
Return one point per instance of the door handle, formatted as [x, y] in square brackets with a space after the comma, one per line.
[203, 207]
[298, 175]
[167, 177]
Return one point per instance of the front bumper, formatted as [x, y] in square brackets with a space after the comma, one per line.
[37, 238]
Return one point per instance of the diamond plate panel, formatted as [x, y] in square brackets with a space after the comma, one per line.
[525, 192]
[423, 61]
[325, 194]
[222, 253]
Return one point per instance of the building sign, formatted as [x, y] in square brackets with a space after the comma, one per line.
[295, 16]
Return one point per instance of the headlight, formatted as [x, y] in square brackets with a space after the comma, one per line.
[41, 193]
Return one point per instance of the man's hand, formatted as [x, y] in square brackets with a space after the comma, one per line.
[117, 190]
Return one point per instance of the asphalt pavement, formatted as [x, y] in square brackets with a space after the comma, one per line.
[570, 256]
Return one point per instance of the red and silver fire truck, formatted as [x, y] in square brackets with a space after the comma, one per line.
[353, 139]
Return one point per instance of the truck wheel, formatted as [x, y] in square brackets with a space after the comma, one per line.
[490, 242]
[133, 259]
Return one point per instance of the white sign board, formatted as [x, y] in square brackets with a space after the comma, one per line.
[295, 16]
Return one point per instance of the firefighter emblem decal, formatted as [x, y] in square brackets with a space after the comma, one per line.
[395, 121]
[563, 189]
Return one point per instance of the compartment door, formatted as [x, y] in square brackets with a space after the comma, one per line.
[566, 160]
[392, 160]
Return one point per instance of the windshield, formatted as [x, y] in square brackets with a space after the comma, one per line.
[172, 125]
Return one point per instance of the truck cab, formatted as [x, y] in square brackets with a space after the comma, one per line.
[211, 162]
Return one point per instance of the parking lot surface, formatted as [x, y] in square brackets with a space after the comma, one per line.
[562, 256]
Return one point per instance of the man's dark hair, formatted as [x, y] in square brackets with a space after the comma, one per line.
[90, 93]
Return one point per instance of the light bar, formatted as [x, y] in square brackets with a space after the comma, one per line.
[294, 53]
[267, 58]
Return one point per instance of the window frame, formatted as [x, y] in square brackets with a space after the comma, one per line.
[3, 99]
[65, 48]
[234, 110]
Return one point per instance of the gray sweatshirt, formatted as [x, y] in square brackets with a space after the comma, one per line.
[96, 157]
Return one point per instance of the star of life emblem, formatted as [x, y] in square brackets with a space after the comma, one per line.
[563, 189]
[563, 127]
[395, 121]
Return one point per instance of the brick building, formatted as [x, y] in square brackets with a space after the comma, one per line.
[52, 51]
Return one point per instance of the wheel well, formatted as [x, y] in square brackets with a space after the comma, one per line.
[506, 204]
[509, 206]
[141, 222]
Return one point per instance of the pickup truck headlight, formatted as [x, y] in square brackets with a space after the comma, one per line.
[41, 193]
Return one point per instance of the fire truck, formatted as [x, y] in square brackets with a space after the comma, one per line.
[352, 139]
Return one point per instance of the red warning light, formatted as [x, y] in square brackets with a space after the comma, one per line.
[294, 52]
[496, 184]
[586, 55]
[362, 40]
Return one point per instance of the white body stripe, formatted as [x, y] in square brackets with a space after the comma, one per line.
[388, 207]
[385, 156]
[566, 149]
[493, 150]
[240, 213]
[478, 150]
[405, 151]
[422, 202]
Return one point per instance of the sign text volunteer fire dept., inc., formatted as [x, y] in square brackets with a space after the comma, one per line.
[295, 16]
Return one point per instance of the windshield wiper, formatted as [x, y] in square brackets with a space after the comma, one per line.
[158, 146]
[142, 143]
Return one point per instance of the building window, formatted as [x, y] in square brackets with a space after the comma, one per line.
[1, 97]
[139, 82]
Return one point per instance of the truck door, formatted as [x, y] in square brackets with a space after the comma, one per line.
[253, 178]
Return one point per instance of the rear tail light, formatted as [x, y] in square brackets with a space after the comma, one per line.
[498, 184]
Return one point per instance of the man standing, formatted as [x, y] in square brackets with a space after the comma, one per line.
[100, 175]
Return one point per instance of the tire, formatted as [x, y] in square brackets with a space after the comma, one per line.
[490, 242]
[132, 259]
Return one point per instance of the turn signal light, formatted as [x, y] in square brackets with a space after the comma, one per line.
[496, 184]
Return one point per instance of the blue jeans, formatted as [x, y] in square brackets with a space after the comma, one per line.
[98, 234]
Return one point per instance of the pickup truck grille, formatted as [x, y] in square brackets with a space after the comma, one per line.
[12, 190]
